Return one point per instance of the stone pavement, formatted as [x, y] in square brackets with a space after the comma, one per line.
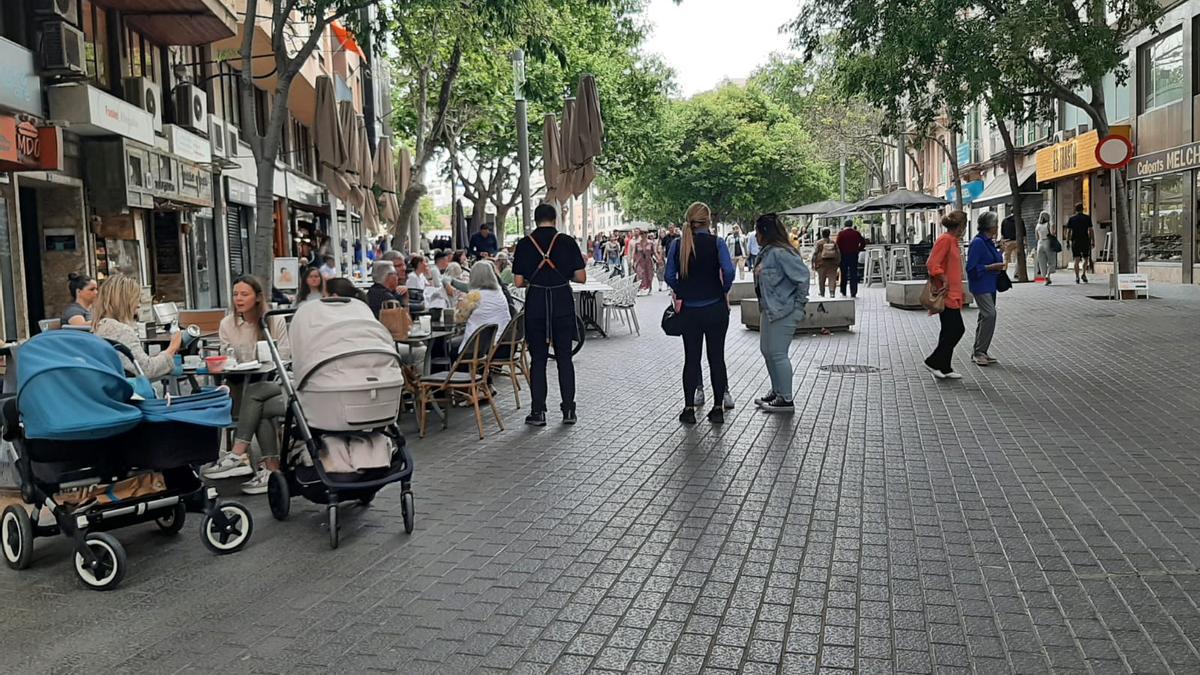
[1040, 515]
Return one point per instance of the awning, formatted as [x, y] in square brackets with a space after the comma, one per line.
[177, 22]
[998, 189]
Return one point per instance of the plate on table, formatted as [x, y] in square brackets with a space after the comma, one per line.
[248, 365]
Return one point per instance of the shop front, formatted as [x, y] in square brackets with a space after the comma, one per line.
[305, 225]
[1166, 224]
[1073, 175]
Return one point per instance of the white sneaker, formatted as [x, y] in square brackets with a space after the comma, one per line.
[229, 465]
[258, 484]
[727, 401]
[937, 374]
[952, 375]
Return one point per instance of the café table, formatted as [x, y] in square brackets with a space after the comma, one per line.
[589, 303]
[425, 341]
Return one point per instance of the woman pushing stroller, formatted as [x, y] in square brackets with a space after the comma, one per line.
[261, 405]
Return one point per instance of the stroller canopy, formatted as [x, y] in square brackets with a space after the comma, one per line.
[343, 342]
[71, 386]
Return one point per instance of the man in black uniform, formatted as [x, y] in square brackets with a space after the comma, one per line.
[1080, 227]
[546, 262]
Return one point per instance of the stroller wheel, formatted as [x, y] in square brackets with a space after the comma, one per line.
[16, 537]
[230, 532]
[408, 510]
[109, 568]
[174, 520]
[278, 496]
[333, 526]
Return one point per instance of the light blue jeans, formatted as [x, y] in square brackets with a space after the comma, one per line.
[774, 340]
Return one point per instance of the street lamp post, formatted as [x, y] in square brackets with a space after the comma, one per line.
[518, 61]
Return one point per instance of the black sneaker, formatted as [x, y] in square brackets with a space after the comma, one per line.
[716, 415]
[536, 419]
[569, 415]
[779, 404]
[688, 416]
[762, 400]
[1085, 279]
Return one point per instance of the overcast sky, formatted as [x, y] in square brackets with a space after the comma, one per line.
[706, 41]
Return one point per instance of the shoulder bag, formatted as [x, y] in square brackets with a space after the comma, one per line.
[396, 319]
[1003, 283]
[933, 299]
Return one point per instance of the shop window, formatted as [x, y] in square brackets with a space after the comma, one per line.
[1117, 99]
[12, 23]
[1160, 71]
[95, 33]
[1160, 220]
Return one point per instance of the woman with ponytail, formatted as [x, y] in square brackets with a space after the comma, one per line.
[700, 272]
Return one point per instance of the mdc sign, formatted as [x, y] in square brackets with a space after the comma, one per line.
[25, 146]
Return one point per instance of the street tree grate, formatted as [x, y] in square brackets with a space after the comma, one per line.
[850, 369]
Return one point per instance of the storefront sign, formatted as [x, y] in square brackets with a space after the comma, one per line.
[971, 191]
[94, 112]
[238, 192]
[1073, 157]
[304, 192]
[1182, 158]
[20, 86]
[27, 147]
[187, 145]
[964, 153]
[195, 184]
[1133, 282]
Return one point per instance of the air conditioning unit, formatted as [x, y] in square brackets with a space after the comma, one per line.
[147, 95]
[191, 108]
[65, 10]
[217, 136]
[234, 138]
[62, 49]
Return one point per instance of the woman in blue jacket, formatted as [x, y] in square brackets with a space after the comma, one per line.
[781, 283]
[984, 265]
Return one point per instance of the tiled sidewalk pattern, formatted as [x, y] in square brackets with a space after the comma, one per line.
[1042, 514]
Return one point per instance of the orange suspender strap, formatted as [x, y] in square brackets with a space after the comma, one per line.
[545, 254]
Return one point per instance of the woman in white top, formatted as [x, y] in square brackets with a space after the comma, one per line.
[114, 316]
[484, 303]
[313, 287]
[1045, 254]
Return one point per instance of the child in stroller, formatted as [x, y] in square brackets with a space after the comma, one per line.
[341, 413]
[110, 438]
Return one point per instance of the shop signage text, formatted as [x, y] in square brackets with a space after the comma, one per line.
[1183, 158]
[1073, 157]
[94, 112]
[971, 191]
[20, 86]
[25, 146]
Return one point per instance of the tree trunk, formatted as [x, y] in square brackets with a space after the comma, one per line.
[263, 237]
[406, 231]
[501, 220]
[1010, 164]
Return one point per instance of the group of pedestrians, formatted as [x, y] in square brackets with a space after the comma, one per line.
[1079, 230]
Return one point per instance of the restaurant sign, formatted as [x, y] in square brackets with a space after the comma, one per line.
[1182, 158]
[24, 146]
[1073, 157]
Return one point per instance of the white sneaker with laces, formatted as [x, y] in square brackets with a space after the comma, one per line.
[258, 484]
[953, 375]
[229, 465]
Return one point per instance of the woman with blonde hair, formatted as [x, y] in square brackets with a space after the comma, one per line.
[114, 317]
[700, 272]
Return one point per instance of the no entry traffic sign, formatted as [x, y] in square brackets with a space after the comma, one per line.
[1114, 152]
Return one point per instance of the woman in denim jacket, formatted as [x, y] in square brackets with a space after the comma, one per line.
[781, 283]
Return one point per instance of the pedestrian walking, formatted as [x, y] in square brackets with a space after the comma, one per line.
[781, 282]
[736, 243]
[827, 261]
[1008, 239]
[850, 243]
[985, 264]
[752, 250]
[700, 272]
[1080, 227]
[612, 254]
[1045, 248]
[945, 267]
[645, 253]
[546, 262]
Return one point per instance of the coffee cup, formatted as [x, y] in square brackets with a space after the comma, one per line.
[192, 361]
[426, 324]
[264, 352]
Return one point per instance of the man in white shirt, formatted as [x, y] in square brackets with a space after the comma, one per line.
[329, 269]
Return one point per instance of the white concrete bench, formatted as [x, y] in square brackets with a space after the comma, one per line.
[907, 294]
[742, 290]
[834, 314]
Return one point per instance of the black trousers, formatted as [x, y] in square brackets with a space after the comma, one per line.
[705, 324]
[952, 331]
[850, 274]
[562, 333]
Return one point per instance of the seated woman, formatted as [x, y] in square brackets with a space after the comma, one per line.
[484, 303]
[83, 291]
[313, 287]
[261, 405]
[115, 318]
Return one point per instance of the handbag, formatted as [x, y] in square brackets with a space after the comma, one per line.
[1055, 244]
[672, 322]
[933, 299]
[1003, 283]
[396, 319]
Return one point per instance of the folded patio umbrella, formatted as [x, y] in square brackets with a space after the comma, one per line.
[587, 127]
[900, 199]
[552, 158]
[349, 123]
[331, 142]
[366, 174]
[385, 179]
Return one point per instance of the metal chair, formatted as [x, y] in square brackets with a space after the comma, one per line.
[467, 378]
[874, 272]
[899, 264]
[508, 355]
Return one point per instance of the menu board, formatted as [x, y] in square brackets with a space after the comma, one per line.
[168, 257]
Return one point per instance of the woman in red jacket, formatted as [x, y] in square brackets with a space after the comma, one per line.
[945, 268]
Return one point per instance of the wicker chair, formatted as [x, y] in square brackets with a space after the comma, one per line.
[467, 377]
[509, 356]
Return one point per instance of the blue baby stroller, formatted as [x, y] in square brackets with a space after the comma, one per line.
[75, 423]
